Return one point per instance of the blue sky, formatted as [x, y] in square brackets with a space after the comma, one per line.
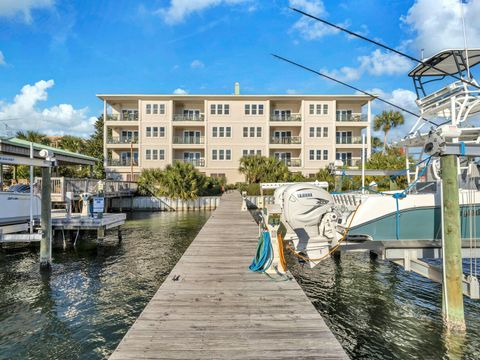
[56, 55]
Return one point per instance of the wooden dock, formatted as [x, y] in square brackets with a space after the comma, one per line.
[212, 307]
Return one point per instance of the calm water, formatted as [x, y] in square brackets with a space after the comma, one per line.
[93, 295]
[378, 311]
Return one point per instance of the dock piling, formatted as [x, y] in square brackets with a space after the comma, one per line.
[46, 220]
[453, 311]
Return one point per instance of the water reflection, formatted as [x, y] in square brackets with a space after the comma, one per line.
[378, 311]
[92, 296]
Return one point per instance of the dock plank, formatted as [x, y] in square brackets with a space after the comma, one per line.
[218, 309]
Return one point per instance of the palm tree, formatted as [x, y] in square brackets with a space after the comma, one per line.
[72, 143]
[251, 167]
[376, 143]
[386, 121]
[33, 136]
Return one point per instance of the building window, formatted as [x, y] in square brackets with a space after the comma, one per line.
[221, 132]
[259, 131]
[259, 152]
[228, 154]
[214, 132]
[312, 132]
[148, 109]
[162, 109]
[325, 109]
[252, 131]
[312, 109]
[319, 154]
[319, 132]
[226, 109]
[312, 154]
[247, 109]
[148, 154]
[154, 154]
[148, 131]
[155, 109]
[162, 131]
[245, 153]
[325, 131]
[214, 154]
[260, 109]
[319, 109]
[219, 109]
[228, 131]
[245, 131]
[254, 109]
[325, 154]
[155, 131]
[213, 109]
[221, 154]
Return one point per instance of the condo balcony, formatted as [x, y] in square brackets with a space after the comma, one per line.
[286, 140]
[124, 116]
[189, 140]
[122, 162]
[285, 117]
[349, 140]
[351, 117]
[293, 162]
[122, 140]
[188, 117]
[195, 162]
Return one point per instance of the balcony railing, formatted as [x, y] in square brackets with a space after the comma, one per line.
[291, 117]
[353, 162]
[287, 140]
[349, 140]
[195, 162]
[294, 162]
[352, 117]
[122, 162]
[122, 140]
[181, 117]
[190, 140]
[123, 117]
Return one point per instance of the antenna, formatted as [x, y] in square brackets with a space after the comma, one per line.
[353, 87]
[388, 48]
[465, 39]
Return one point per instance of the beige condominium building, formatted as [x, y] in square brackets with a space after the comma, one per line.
[213, 132]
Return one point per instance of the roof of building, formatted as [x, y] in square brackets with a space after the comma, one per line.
[353, 97]
[60, 154]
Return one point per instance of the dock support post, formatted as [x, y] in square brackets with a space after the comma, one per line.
[46, 220]
[453, 312]
[100, 233]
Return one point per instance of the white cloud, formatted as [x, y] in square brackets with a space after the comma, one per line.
[56, 120]
[180, 91]
[10, 8]
[2, 59]
[377, 63]
[180, 9]
[437, 25]
[197, 64]
[309, 28]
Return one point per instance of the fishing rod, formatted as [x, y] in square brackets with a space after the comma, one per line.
[386, 47]
[354, 88]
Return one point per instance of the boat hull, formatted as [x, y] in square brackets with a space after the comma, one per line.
[15, 208]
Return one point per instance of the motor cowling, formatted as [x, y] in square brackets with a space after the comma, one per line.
[304, 207]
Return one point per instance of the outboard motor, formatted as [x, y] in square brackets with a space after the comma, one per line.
[310, 218]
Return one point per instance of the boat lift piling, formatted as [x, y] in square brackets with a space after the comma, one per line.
[46, 220]
[452, 284]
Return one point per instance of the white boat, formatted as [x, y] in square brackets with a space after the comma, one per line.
[15, 207]
[317, 221]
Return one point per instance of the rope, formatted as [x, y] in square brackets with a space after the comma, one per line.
[332, 250]
[263, 257]
[281, 255]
